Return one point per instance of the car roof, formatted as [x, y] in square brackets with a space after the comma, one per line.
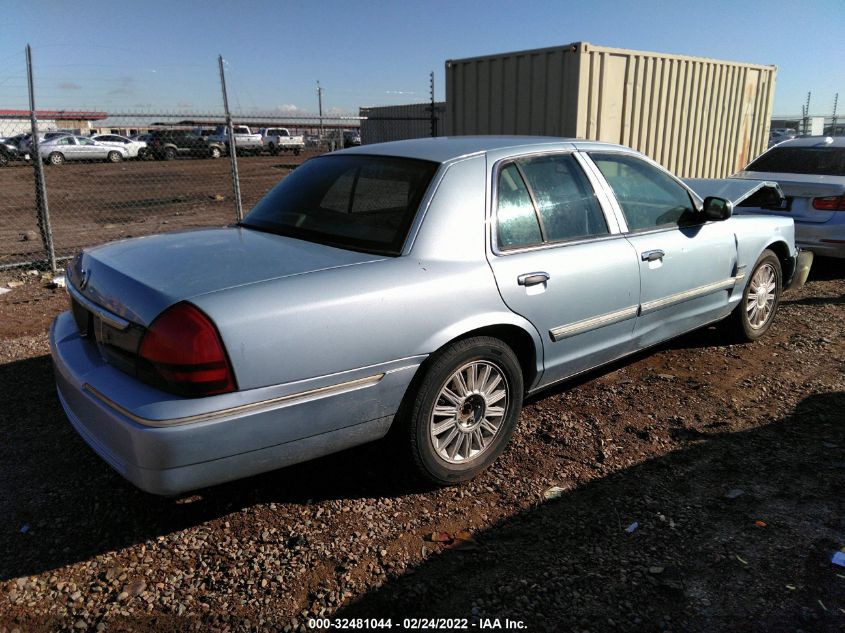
[448, 148]
[814, 141]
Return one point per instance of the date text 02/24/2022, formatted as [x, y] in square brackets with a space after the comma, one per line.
[412, 624]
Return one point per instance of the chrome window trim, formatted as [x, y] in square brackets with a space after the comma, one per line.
[687, 295]
[593, 323]
[107, 317]
[253, 407]
[609, 218]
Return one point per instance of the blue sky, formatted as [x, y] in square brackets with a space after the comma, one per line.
[162, 56]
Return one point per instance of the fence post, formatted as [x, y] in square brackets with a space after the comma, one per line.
[233, 154]
[42, 208]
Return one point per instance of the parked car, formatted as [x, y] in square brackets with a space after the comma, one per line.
[170, 144]
[351, 138]
[279, 139]
[25, 143]
[9, 152]
[425, 285]
[811, 173]
[133, 148]
[68, 147]
[246, 142]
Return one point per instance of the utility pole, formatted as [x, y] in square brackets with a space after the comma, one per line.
[833, 123]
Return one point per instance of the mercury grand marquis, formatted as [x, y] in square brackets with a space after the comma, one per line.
[421, 287]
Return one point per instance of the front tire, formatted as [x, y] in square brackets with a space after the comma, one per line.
[115, 157]
[753, 317]
[169, 153]
[464, 410]
[215, 152]
[56, 158]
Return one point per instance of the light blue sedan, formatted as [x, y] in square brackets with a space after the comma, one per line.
[423, 286]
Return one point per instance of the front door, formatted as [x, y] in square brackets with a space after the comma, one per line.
[687, 264]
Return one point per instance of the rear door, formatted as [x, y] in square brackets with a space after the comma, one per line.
[687, 265]
[560, 261]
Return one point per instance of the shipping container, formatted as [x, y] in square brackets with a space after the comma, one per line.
[699, 117]
[380, 124]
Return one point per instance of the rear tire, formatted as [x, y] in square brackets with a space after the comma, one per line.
[215, 152]
[169, 153]
[56, 158]
[755, 313]
[464, 410]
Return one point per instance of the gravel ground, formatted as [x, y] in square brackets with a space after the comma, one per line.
[695, 488]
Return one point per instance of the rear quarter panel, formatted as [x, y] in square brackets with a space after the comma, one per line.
[329, 321]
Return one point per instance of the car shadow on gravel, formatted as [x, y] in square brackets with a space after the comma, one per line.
[60, 503]
[734, 531]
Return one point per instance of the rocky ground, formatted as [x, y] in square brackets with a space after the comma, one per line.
[695, 488]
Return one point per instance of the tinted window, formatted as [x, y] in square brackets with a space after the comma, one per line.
[649, 197]
[516, 219]
[565, 199]
[819, 161]
[363, 203]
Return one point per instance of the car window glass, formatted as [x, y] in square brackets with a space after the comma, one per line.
[516, 220]
[818, 161]
[565, 199]
[649, 197]
[65, 141]
[85, 141]
[361, 202]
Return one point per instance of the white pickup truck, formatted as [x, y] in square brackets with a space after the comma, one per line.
[279, 139]
[245, 140]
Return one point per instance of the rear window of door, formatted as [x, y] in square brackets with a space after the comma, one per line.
[545, 200]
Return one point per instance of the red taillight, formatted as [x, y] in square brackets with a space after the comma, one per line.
[184, 354]
[829, 203]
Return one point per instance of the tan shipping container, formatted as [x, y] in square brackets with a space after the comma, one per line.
[698, 117]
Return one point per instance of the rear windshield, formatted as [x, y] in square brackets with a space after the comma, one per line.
[363, 203]
[820, 161]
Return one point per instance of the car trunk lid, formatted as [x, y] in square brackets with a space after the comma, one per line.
[800, 189]
[137, 279]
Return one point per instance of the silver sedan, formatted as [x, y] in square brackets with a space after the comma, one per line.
[133, 147]
[63, 148]
[811, 173]
[423, 286]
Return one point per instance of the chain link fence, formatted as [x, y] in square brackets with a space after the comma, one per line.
[110, 176]
[74, 178]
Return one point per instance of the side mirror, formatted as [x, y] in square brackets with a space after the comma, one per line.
[717, 208]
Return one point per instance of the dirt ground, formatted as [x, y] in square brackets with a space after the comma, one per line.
[699, 488]
[92, 203]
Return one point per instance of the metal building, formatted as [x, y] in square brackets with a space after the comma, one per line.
[699, 117]
[399, 122]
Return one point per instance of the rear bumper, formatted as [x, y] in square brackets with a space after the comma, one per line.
[165, 447]
[824, 239]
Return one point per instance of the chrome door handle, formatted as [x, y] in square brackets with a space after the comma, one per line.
[650, 256]
[532, 279]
